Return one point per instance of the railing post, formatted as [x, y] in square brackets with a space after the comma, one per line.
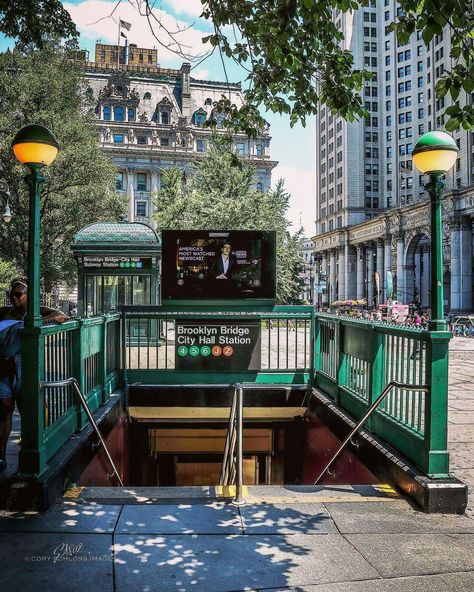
[239, 501]
[339, 357]
[32, 459]
[103, 359]
[78, 369]
[436, 406]
[376, 385]
[317, 345]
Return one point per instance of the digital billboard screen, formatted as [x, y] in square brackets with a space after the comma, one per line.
[218, 265]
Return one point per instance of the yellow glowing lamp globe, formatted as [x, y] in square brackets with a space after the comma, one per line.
[35, 144]
[435, 152]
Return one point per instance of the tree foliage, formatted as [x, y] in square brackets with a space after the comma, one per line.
[296, 57]
[45, 87]
[7, 273]
[222, 195]
[294, 54]
[35, 21]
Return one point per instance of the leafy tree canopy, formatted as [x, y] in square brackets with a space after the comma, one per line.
[294, 54]
[222, 195]
[297, 58]
[34, 21]
[7, 273]
[45, 87]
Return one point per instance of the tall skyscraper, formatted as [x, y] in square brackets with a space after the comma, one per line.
[371, 209]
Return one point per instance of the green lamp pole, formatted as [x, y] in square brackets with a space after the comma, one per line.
[435, 154]
[34, 146]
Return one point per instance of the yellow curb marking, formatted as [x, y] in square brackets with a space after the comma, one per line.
[230, 491]
[73, 493]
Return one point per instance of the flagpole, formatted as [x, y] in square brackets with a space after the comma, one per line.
[118, 45]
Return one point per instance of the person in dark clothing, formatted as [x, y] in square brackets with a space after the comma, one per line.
[224, 265]
[11, 318]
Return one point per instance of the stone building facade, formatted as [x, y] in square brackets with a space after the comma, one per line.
[151, 118]
[399, 241]
[371, 206]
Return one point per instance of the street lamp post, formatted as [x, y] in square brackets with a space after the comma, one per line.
[34, 146]
[435, 154]
[7, 214]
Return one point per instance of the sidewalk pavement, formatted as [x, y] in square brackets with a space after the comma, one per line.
[322, 539]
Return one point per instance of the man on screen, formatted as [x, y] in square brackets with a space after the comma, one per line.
[225, 263]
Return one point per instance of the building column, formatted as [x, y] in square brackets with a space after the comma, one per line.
[466, 264]
[387, 263]
[370, 252]
[341, 291]
[347, 270]
[324, 269]
[332, 277]
[400, 267]
[417, 274]
[131, 194]
[461, 266]
[425, 278]
[360, 264]
[380, 262]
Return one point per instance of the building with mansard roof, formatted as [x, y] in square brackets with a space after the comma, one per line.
[151, 118]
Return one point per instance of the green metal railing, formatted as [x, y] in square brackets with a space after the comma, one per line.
[286, 345]
[355, 360]
[350, 360]
[87, 350]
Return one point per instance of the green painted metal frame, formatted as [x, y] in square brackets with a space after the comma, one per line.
[40, 443]
[428, 450]
[227, 312]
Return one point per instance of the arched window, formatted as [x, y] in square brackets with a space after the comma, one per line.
[259, 186]
[208, 101]
[259, 150]
[220, 121]
[199, 118]
[106, 113]
[118, 114]
[165, 118]
[147, 96]
[131, 114]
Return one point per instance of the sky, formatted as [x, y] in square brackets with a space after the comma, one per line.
[293, 148]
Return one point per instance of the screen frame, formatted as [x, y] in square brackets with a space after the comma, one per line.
[264, 294]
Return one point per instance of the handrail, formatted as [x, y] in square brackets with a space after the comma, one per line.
[234, 440]
[229, 443]
[370, 410]
[83, 401]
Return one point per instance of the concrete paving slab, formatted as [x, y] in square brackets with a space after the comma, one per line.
[286, 519]
[212, 518]
[397, 517]
[416, 554]
[56, 562]
[223, 564]
[64, 517]
[453, 582]
[460, 433]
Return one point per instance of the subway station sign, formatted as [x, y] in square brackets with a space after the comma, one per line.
[219, 346]
[116, 262]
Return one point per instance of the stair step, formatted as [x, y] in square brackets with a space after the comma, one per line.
[253, 494]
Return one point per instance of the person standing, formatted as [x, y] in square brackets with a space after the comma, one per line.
[11, 318]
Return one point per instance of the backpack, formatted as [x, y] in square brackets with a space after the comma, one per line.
[10, 343]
